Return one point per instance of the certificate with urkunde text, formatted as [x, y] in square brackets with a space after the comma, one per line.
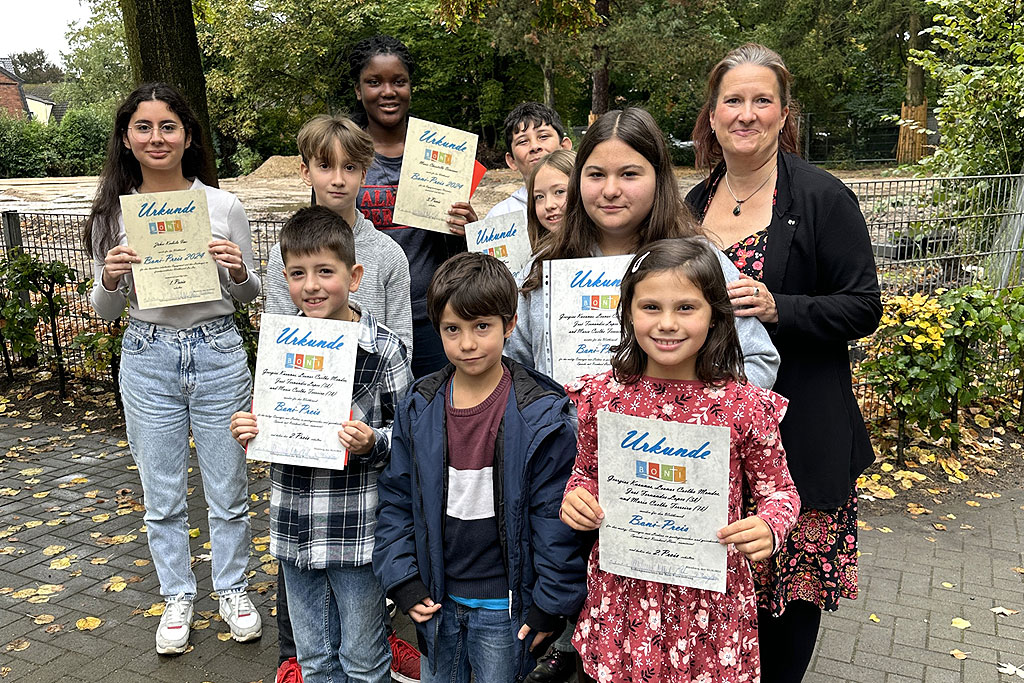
[170, 231]
[437, 171]
[581, 297]
[303, 390]
[504, 237]
[664, 489]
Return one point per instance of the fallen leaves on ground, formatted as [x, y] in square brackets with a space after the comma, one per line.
[1002, 611]
[959, 654]
[88, 623]
[874, 617]
[17, 645]
[960, 623]
[1010, 669]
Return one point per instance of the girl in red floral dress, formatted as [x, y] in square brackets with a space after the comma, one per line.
[679, 359]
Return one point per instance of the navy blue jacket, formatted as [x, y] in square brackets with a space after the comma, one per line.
[533, 458]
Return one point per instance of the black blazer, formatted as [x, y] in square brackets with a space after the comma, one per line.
[820, 268]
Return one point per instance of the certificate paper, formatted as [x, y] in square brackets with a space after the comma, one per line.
[581, 298]
[437, 171]
[664, 489]
[170, 231]
[504, 237]
[304, 374]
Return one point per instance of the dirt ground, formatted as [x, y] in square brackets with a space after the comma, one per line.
[275, 190]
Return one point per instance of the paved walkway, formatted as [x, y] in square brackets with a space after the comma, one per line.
[71, 521]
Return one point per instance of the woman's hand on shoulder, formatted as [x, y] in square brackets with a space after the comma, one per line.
[751, 298]
[580, 510]
[228, 254]
[118, 263]
[751, 535]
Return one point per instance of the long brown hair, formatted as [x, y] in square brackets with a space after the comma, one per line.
[721, 357]
[122, 172]
[706, 147]
[561, 160]
[668, 216]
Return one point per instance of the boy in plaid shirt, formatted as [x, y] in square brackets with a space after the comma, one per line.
[322, 521]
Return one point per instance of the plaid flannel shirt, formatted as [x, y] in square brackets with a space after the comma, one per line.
[323, 518]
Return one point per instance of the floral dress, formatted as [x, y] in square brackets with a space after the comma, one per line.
[643, 631]
[818, 561]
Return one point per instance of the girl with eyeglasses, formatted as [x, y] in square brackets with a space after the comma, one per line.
[183, 368]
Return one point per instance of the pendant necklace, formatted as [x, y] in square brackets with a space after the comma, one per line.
[739, 202]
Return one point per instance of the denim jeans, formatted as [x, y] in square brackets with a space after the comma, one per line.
[173, 380]
[337, 617]
[473, 643]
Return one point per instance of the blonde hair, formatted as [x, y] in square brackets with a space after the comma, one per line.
[561, 160]
[317, 137]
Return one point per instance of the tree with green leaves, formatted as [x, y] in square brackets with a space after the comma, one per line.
[97, 66]
[35, 67]
[977, 61]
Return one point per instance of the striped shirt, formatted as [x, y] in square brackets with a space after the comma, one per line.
[323, 518]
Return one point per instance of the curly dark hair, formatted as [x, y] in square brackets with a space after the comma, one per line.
[364, 51]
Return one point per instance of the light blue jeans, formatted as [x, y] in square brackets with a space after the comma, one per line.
[173, 380]
[338, 622]
[473, 644]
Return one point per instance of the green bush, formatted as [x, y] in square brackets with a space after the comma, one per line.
[80, 142]
[25, 149]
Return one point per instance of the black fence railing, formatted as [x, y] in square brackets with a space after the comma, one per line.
[927, 234]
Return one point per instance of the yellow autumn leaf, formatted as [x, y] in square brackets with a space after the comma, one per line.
[974, 503]
[60, 563]
[156, 609]
[32, 471]
[52, 550]
[885, 529]
[102, 517]
[939, 527]
[887, 467]
[200, 624]
[1004, 612]
[874, 618]
[960, 623]
[982, 421]
[224, 636]
[41, 494]
[98, 560]
[79, 480]
[947, 584]
[959, 654]
[88, 623]
[17, 645]
[116, 584]
[44, 619]
[140, 563]
[50, 588]
[33, 524]
[38, 599]
[194, 533]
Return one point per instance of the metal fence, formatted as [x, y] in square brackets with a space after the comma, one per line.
[927, 233]
[847, 136]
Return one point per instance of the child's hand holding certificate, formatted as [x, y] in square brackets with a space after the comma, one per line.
[303, 393]
[437, 171]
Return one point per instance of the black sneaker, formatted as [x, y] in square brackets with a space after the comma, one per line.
[555, 667]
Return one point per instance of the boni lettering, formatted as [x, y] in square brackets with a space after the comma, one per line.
[588, 279]
[149, 209]
[431, 138]
[290, 336]
[638, 442]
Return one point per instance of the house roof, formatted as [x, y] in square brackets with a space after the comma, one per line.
[58, 111]
[17, 81]
[37, 98]
[7, 63]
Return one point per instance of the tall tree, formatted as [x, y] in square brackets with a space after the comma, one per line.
[162, 46]
[97, 61]
[35, 67]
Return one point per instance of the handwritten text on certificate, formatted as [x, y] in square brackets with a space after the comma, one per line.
[170, 231]
[664, 489]
[504, 237]
[437, 171]
[581, 299]
[303, 390]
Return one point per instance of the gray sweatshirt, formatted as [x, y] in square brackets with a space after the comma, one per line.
[384, 289]
[228, 222]
[529, 338]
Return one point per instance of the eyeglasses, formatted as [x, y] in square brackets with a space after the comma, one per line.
[167, 130]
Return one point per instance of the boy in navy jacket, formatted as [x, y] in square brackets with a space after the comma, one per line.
[468, 539]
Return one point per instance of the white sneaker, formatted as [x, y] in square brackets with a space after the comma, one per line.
[175, 624]
[238, 612]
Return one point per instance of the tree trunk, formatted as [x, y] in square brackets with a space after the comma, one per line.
[599, 93]
[549, 82]
[915, 73]
[162, 46]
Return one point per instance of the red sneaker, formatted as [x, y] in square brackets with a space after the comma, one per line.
[405, 660]
[289, 672]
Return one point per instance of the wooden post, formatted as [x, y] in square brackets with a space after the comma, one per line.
[910, 147]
